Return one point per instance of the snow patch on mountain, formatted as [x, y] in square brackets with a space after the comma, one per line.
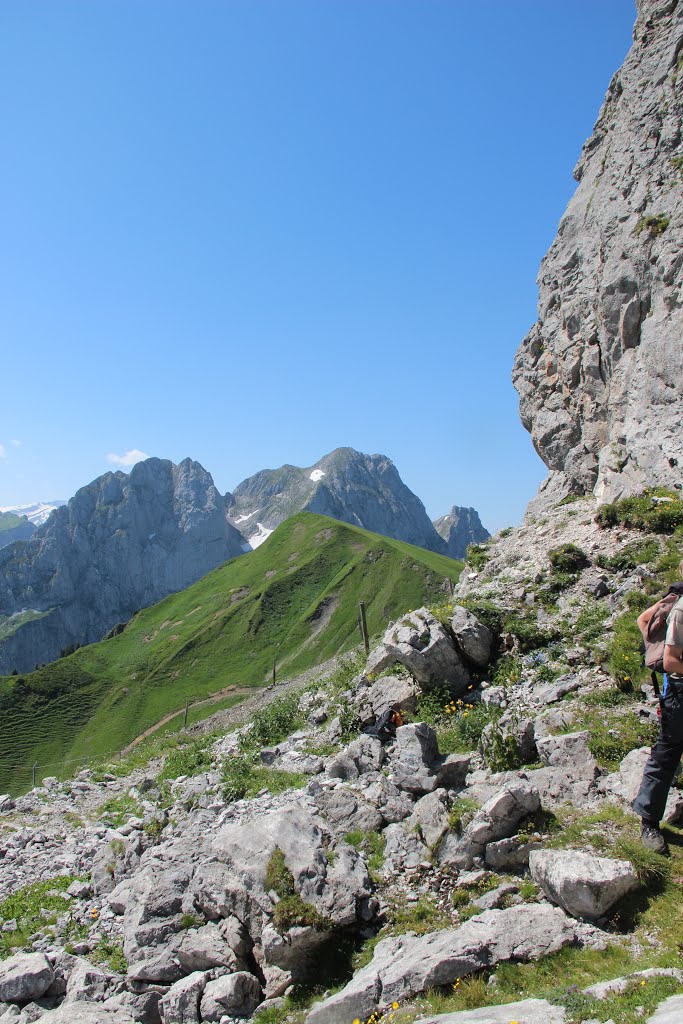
[257, 539]
[316, 475]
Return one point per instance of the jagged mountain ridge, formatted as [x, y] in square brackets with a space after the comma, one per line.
[121, 543]
[461, 527]
[600, 374]
[364, 490]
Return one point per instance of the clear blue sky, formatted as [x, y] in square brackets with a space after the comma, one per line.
[251, 231]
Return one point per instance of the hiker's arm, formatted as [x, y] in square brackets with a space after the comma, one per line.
[673, 660]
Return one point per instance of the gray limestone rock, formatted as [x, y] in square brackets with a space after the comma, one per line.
[234, 995]
[346, 811]
[509, 854]
[568, 750]
[404, 965]
[599, 375]
[83, 1013]
[528, 1011]
[472, 636]
[584, 885]
[384, 693]
[25, 976]
[180, 1005]
[420, 642]
[668, 1012]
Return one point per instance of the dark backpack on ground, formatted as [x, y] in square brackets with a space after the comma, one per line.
[385, 726]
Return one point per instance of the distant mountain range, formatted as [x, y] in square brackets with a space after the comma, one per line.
[128, 540]
[364, 490]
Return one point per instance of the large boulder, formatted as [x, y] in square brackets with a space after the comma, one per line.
[420, 642]
[24, 977]
[528, 1011]
[346, 811]
[405, 965]
[180, 1005]
[585, 886]
[416, 765]
[668, 1012]
[472, 636]
[497, 819]
[567, 750]
[234, 995]
[333, 889]
[386, 692]
[85, 1013]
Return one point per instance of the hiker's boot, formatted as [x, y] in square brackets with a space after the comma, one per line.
[652, 839]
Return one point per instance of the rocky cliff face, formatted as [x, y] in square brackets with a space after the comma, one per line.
[600, 374]
[364, 490]
[121, 543]
[462, 526]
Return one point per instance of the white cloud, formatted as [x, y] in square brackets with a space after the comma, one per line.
[3, 452]
[15, 443]
[128, 458]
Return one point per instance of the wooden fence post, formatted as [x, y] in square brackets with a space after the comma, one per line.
[364, 624]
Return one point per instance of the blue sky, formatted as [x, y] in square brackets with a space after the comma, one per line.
[251, 231]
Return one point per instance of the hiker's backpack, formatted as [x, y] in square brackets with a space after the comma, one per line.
[654, 634]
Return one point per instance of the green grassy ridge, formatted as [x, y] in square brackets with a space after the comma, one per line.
[224, 630]
[10, 521]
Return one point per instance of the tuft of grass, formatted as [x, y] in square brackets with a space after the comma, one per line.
[290, 910]
[372, 845]
[34, 907]
[110, 952]
[244, 777]
[118, 809]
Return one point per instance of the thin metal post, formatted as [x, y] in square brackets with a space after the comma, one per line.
[33, 785]
[274, 671]
[364, 621]
[187, 705]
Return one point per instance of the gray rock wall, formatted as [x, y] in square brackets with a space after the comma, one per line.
[600, 374]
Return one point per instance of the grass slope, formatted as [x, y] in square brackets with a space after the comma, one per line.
[294, 599]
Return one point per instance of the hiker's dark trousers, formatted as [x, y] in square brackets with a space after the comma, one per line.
[664, 757]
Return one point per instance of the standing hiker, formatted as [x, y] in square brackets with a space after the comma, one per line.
[666, 753]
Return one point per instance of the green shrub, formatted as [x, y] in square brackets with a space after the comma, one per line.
[640, 512]
[655, 224]
[191, 759]
[477, 555]
[626, 663]
[243, 777]
[630, 556]
[274, 723]
[567, 558]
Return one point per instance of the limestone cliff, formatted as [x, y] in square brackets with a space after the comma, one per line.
[600, 374]
[121, 543]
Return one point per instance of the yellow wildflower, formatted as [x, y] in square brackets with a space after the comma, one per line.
[394, 1006]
